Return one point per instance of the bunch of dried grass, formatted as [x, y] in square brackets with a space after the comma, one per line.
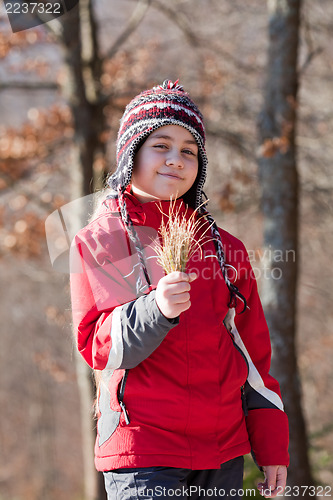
[178, 239]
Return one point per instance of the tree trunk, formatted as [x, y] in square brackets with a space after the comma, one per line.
[82, 91]
[84, 94]
[279, 184]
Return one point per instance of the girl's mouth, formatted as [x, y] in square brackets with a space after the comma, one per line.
[170, 176]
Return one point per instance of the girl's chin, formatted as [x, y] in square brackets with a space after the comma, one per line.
[162, 195]
[168, 196]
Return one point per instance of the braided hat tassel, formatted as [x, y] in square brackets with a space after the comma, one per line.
[143, 276]
[234, 292]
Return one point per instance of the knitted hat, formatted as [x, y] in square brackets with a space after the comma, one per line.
[166, 104]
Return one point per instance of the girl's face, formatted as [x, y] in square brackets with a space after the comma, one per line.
[166, 165]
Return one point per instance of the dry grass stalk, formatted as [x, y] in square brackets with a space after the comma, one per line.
[178, 241]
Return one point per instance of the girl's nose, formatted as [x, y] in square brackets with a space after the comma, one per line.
[174, 158]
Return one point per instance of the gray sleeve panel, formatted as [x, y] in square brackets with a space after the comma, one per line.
[255, 400]
[143, 329]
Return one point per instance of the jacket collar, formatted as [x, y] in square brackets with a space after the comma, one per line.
[146, 214]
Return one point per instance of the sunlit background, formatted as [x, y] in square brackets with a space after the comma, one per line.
[218, 50]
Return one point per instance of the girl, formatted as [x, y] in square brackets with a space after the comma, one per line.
[182, 359]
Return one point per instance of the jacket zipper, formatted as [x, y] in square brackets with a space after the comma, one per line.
[121, 397]
[244, 405]
[243, 395]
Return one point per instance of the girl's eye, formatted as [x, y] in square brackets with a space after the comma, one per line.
[162, 146]
[189, 152]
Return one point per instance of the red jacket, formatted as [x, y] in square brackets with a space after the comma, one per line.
[192, 392]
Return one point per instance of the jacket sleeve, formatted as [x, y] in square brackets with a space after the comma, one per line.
[266, 420]
[114, 329]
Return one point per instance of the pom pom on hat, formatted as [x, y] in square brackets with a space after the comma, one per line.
[168, 85]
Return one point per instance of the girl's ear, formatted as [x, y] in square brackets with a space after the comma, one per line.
[134, 160]
[133, 168]
[191, 195]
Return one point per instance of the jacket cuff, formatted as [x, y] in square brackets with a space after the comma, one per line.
[269, 436]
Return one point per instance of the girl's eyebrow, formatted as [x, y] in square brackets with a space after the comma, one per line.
[162, 136]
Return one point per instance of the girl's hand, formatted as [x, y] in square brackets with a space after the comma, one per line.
[173, 293]
[275, 481]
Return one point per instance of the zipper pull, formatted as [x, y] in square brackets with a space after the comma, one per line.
[244, 405]
[123, 409]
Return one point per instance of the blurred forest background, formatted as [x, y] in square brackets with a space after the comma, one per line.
[63, 87]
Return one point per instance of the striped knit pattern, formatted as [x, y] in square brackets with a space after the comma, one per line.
[234, 292]
[143, 279]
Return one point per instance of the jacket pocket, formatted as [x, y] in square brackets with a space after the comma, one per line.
[121, 393]
[111, 404]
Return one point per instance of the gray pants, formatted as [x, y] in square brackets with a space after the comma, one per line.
[150, 483]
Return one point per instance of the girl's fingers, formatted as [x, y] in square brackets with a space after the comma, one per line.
[172, 293]
[177, 288]
[275, 481]
[181, 298]
[178, 277]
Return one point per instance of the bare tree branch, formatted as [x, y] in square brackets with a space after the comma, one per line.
[312, 50]
[196, 40]
[8, 85]
[89, 51]
[236, 140]
[179, 20]
[136, 18]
